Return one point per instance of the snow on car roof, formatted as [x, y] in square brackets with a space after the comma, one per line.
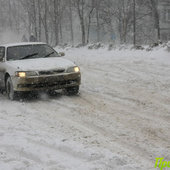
[20, 44]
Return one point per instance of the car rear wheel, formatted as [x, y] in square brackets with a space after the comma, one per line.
[10, 90]
[72, 90]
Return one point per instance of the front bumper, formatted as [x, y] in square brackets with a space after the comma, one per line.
[46, 82]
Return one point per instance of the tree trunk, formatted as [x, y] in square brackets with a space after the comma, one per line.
[71, 23]
[134, 22]
[83, 33]
[61, 32]
[80, 8]
[156, 18]
[45, 23]
[98, 26]
[39, 19]
[34, 18]
[10, 16]
[89, 24]
[56, 28]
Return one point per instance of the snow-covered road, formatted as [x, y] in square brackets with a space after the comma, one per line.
[120, 120]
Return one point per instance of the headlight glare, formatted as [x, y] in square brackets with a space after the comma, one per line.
[73, 69]
[76, 69]
[26, 74]
[21, 74]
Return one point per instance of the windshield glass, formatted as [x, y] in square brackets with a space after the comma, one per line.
[30, 52]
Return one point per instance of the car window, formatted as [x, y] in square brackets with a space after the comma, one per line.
[30, 52]
[2, 53]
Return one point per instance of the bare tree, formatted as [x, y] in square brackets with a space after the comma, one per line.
[154, 7]
[39, 19]
[71, 21]
[80, 6]
[91, 9]
[134, 22]
[55, 21]
[44, 21]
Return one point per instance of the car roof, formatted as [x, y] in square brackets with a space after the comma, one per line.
[21, 44]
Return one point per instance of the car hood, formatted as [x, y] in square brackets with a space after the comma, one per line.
[41, 64]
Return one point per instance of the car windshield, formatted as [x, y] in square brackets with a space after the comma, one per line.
[30, 52]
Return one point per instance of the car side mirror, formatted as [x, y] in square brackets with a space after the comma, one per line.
[62, 54]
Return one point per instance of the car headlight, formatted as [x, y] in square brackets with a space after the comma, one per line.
[73, 69]
[24, 74]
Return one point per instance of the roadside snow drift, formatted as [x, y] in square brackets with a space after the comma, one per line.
[120, 120]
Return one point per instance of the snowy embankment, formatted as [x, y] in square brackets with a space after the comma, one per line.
[120, 120]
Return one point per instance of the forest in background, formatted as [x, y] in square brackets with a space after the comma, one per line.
[82, 21]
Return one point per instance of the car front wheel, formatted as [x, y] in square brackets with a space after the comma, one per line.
[10, 90]
[72, 90]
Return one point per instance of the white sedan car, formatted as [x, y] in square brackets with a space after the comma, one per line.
[28, 67]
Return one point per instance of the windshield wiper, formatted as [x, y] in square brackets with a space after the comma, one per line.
[28, 56]
[48, 54]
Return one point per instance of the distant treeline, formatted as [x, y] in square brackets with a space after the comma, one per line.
[83, 21]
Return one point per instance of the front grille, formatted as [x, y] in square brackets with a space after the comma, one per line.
[51, 72]
[48, 84]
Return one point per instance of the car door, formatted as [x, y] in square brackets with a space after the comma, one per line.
[2, 69]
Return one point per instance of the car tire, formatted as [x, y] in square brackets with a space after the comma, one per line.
[51, 92]
[1, 91]
[72, 90]
[10, 90]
